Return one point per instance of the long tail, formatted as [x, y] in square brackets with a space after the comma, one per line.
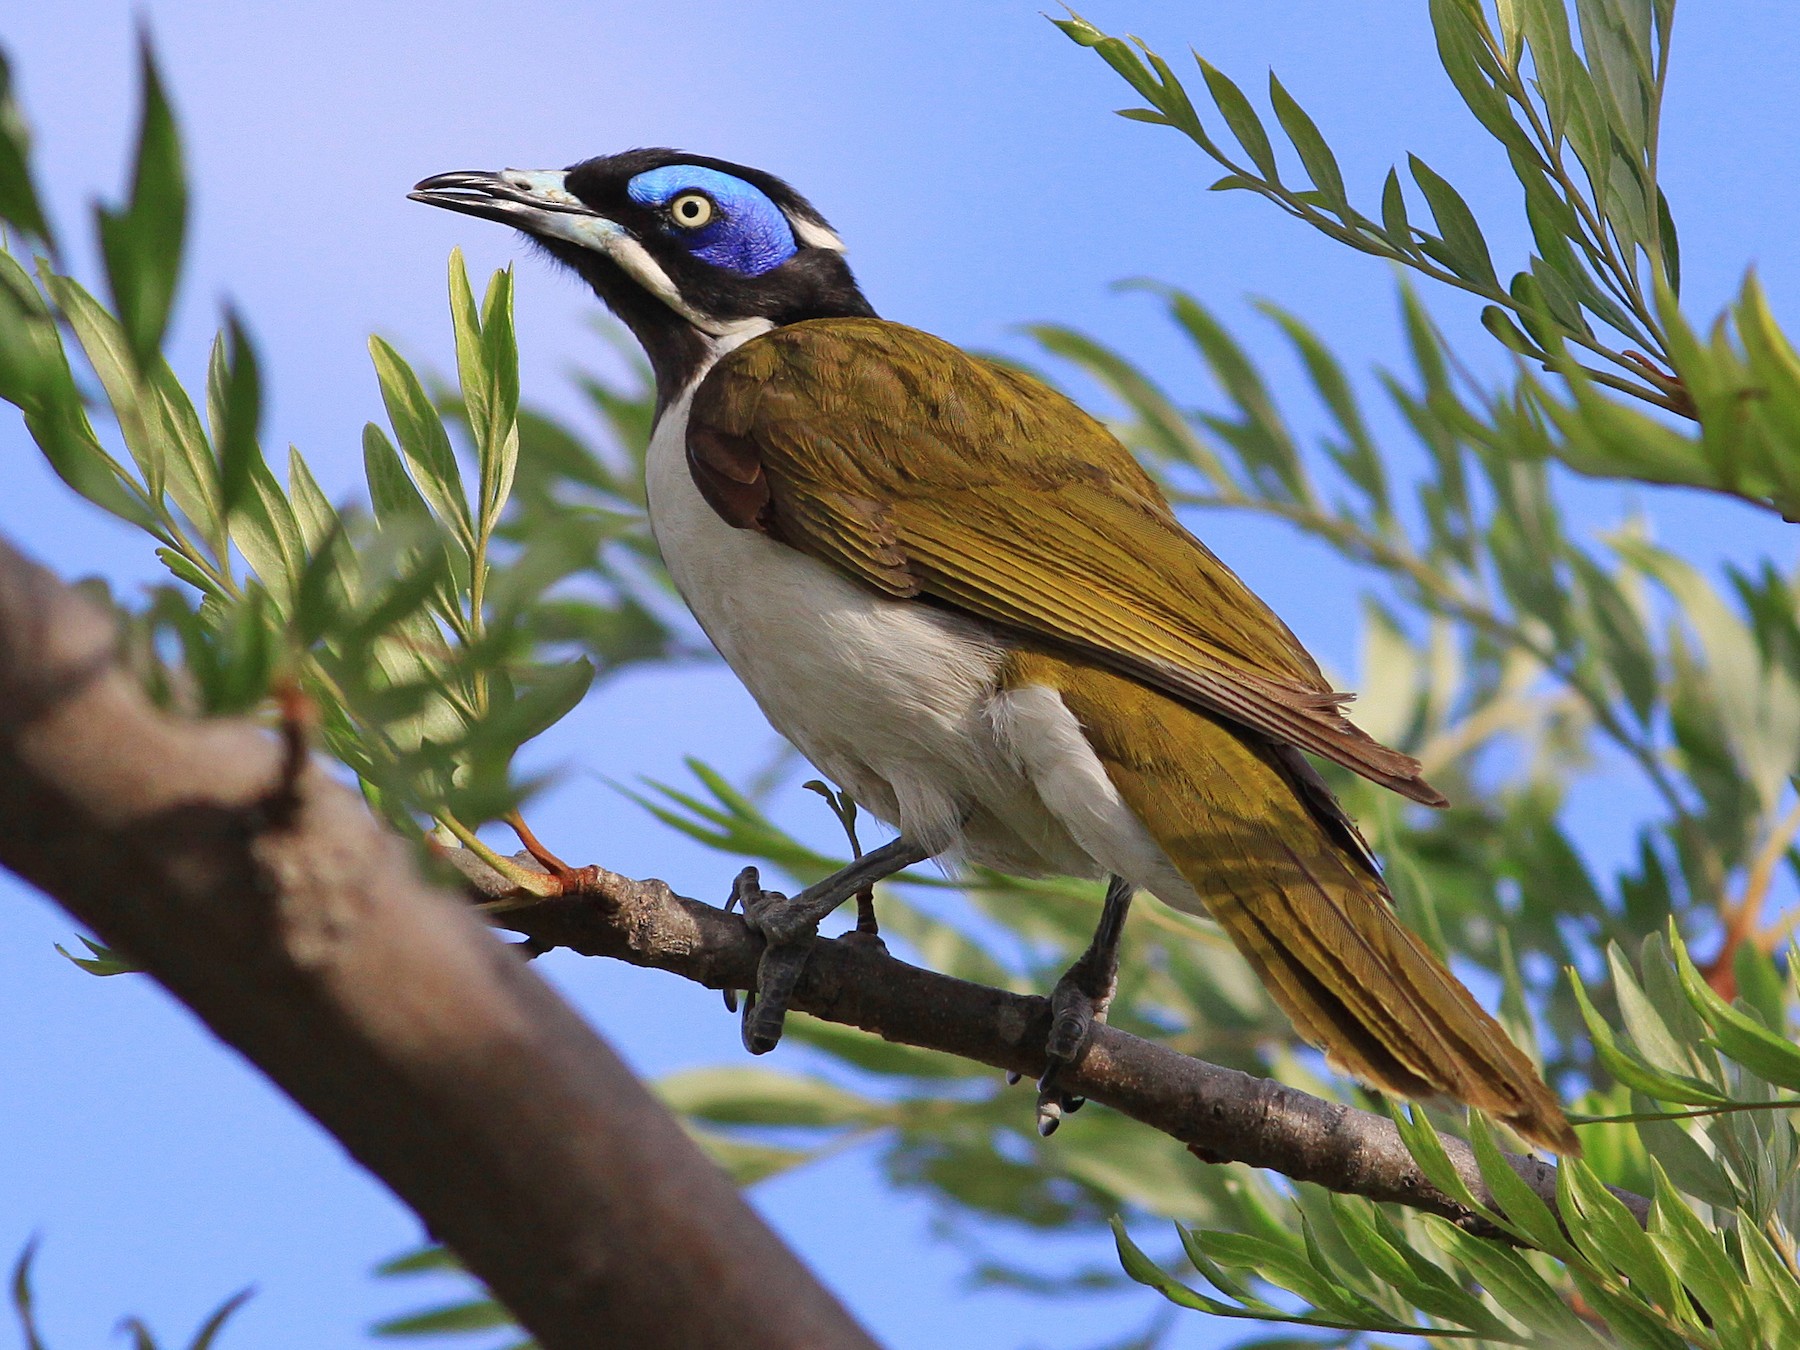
[1270, 854]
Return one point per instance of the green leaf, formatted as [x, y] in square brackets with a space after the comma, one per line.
[1421, 1283]
[99, 960]
[317, 518]
[746, 1096]
[1421, 1140]
[1619, 634]
[1698, 1258]
[1321, 165]
[1769, 1056]
[19, 205]
[1241, 118]
[1609, 1235]
[215, 1324]
[1519, 1289]
[500, 359]
[1634, 1073]
[427, 1260]
[1498, 322]
[141, 243]
[1466, 250]
[470, 1315]
[22, 1301]
[423, 441]
[1393, 213]
[235, 435]
[1525, 1210]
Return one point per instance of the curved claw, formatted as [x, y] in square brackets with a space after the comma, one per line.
[765, 1009]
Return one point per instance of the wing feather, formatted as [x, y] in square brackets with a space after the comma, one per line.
[927, 472]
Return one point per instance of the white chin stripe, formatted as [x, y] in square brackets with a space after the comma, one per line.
[631, 255]
[814, 235]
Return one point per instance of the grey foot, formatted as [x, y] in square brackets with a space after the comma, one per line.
[789, 927]
[1073, 1014]
[788, 934]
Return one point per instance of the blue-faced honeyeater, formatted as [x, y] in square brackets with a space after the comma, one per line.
[962, 599]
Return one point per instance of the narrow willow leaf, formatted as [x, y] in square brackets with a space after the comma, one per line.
[100, 960]
[1767, 1055]
[210, 1329]
[317, 518]
[1421, 1140]
[241, 414]
[1421, 1282]
[1627, 1318]
[1241, 118]
[392, 492]
[1393, 212]
[746, 1096]
[1321, 165]
[471, 372]
[1146, 1272]
[141, 243]
[1650, 1034]
[423, 440]
[1668, 243]
[1359, 457]
[1456, 226]
[1634, 1073]
[1287, 1267]
[1609, 1234]
[19, 206]
[1699, 1258]
[1519, 1289]
[104, 344]
[471, 1315]
[1526, 1213]
[1498, 322]
[184, 570]
[1235, 182]
[1468, 64]
[500, 361]
[1622, 74]
[1619, 634]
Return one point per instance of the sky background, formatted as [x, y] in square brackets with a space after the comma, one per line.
[967, 153]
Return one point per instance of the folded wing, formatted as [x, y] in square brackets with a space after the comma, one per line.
[929, 473]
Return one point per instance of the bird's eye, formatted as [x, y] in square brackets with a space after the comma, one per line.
[691, 210]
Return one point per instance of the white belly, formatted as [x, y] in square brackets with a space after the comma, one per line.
[899, 703]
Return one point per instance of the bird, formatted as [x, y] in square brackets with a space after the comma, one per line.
[962, 599]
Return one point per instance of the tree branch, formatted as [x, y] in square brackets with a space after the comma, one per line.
[269, 901]
[1221, 1114]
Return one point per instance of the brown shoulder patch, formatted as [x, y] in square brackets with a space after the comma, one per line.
[728, 471]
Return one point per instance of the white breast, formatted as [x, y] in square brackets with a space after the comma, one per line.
[895, 701]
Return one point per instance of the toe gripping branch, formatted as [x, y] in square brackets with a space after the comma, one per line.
[1078, 1003]
[789, 927]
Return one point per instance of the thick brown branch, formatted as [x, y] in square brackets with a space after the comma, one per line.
[1222, 1115]
[270, 903]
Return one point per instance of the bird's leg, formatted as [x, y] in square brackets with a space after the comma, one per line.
[1080, 999]
[789, 926]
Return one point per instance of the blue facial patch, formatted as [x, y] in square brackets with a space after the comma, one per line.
[748, 233]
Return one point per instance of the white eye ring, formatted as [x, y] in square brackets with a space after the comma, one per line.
[691, 210]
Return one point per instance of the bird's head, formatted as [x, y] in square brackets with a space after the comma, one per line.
[692, 253]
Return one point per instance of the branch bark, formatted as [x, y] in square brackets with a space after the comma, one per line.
[1221, 1114]
[265, 897]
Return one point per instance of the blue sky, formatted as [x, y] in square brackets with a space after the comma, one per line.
[967, 153]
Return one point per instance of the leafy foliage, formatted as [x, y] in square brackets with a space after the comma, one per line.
[1514, 655]
[24, 1304]
[430, 636]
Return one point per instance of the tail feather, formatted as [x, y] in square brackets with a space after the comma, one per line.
[1271, 856]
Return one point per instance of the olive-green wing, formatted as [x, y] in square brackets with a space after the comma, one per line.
[926, 472]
